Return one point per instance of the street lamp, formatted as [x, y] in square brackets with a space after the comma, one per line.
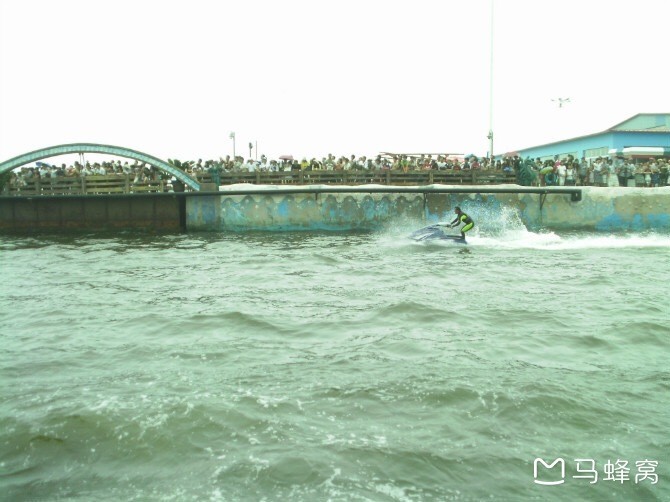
[232, 136]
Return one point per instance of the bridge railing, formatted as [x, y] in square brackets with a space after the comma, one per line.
[124, 184]
[388, 177]
[85, 185]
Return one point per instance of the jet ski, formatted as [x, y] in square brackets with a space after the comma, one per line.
[435, 232]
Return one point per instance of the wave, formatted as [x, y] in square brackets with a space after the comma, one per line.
[553, 241]
[503, 228]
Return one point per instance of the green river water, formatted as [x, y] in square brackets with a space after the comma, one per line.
[334, 366]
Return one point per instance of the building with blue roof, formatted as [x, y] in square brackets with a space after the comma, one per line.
[642, 136]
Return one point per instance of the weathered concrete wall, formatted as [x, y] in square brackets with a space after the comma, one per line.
[601, 209]
[98, 212]
[611, 209]
[341, 211]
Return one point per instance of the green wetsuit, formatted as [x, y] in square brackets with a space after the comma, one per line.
[466, 220]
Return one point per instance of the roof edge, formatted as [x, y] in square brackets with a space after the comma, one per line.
[609, 130]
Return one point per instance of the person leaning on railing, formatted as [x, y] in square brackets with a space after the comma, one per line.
[650, 172]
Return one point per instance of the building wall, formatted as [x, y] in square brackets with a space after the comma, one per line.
[576, 147]
[598, 144]
[601, 209]
[626, 139]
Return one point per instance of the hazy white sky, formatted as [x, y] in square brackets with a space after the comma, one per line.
[173, 78]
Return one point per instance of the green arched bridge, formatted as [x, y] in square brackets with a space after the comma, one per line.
[54, 151]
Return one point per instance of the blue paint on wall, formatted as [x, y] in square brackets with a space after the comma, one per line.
[613, 222]
[601, 210]
[283, 207]
[660, 221]
[638, 222]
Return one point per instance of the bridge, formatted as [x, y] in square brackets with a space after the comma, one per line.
[54, 151]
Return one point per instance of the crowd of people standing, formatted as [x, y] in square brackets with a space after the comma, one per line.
[603, 171]
[567, 171]
[139, 172]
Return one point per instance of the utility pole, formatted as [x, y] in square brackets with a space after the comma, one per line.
[490, 136]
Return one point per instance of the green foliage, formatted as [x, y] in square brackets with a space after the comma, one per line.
[4, 180]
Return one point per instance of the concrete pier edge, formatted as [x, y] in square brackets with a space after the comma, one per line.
[340, 208]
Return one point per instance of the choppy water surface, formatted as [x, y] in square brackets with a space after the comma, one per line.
[333, 366]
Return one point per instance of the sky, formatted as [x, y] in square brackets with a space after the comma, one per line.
[173, 78]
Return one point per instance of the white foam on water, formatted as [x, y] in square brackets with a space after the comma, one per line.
[525, 239]
[508, 232]
[503, 228]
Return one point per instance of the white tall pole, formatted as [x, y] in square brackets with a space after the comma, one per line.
[490, 136]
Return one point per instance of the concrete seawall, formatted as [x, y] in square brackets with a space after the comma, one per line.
[163, 212]
[339, 208]
[600, 209]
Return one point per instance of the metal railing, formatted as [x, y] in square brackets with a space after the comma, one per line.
[124, 184]
[363, 177]
[85, 185]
